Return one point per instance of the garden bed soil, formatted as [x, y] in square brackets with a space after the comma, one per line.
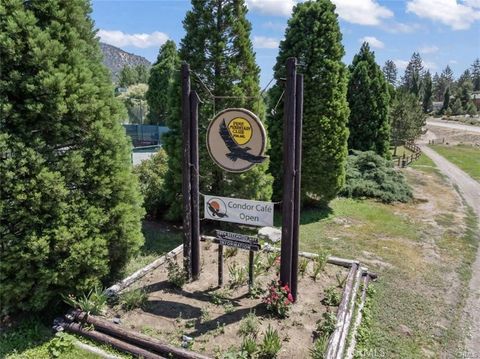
[171, 313]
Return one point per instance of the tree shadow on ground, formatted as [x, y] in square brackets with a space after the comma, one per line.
[314, 213]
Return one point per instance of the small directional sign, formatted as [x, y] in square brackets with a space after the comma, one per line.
[237, 240]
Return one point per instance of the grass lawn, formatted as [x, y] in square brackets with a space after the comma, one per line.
[464, 156]
[423, 257]
[425, 164]
[400, 151]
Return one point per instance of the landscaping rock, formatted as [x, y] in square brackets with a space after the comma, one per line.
[271, 234]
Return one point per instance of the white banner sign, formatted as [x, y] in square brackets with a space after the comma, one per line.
[253, 213]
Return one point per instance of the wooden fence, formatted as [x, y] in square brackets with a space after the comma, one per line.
[404, 161]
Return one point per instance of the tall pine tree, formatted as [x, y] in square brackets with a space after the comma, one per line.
[325, 117]
[218, 48]
[427, 86]
[368, 98]
[70, 207]
[411, 80]
[390, 72]
[476, 75]
[162, 75]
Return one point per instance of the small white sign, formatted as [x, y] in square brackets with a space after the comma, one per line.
[253, 213]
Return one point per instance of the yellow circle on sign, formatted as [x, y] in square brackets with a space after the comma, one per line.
[240, 130]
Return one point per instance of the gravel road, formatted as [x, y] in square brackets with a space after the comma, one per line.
[454, 125]
[470, 190]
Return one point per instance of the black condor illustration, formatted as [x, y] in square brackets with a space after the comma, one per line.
[237, 152]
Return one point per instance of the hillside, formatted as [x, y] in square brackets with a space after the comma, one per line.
[115, 59]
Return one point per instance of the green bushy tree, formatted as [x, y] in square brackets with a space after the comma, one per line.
[162, 75]
[313, 36]
[406, 118]
[151, 174]
[427, 87]
[218, 48]
[371, 176]
[70, 207]
[368, 98]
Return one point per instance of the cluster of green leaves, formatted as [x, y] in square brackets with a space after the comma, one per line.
[313, 36]
[176, 274]
[70, 210]
[406, 117]
[132, 75]
[160, 82]
[238, 275]
[331, 297]
[151, 174]
[136, 298]
[94, 302]
[371, 176]
[368, 98]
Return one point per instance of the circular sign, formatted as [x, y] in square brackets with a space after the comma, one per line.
[236, 140]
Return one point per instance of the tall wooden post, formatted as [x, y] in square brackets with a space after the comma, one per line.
[288, 173]
[186, 171]
[195, 237]
[297, 185]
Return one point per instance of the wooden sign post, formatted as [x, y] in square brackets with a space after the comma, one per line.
[292, 150]
[190, 183]
[240, 241]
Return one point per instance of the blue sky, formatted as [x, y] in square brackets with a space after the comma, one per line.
[445, 32]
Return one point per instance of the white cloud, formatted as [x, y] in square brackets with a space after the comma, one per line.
[453, 62]
[428, 49]
[274, 25]
[401, 64]
[119, 38]
[272, 7]
[373, 41]
[263, 42]
[473, 3]
[430, 65]
[449, 12]
[400, 27]
[364, 12]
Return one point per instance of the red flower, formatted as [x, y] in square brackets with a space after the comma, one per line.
[290, 297]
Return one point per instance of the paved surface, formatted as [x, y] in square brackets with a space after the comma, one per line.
[470, 190]
[454, 125]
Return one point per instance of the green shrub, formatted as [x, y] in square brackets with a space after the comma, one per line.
[302, 266]
[93, 303]
[319, 347]
[370, 175]
[176, 274]
[271, 344]
[331, 297]
[151, 174]
[249, 325]
[326, 326]
[132, 299]
[238, 276]
[319, 263]
[249, 346]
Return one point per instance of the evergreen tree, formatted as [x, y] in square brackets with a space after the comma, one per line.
[141, 72]
[464, 89]
[70, 207]
[427, 86]
[127, 76]
[390, 72]
[218, 48]
[437, 88]
[446, 100]
[325, 107]
[368, 99]
[407, 118]
[411, 80]
[457, 107]
[160, 82]
[476, 75]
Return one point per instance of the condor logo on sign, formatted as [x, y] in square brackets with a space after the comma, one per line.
[254, 213]
[236, 140]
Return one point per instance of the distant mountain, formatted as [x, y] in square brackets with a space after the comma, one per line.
[115, 59]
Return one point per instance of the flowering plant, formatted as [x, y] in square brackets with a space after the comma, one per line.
[278, 298]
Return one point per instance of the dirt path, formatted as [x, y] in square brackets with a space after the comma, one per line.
[453, 125]
[470, 189]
